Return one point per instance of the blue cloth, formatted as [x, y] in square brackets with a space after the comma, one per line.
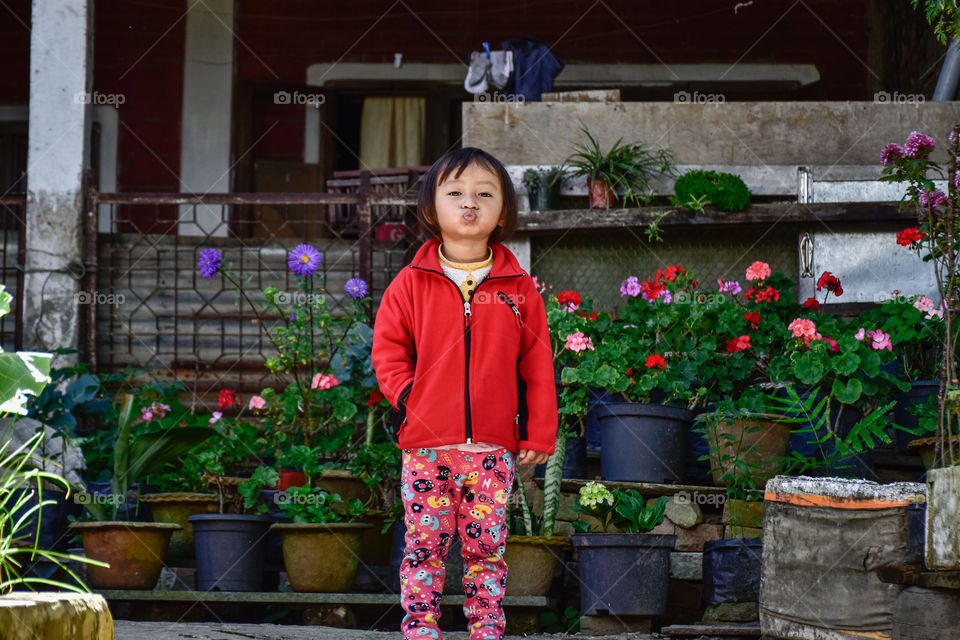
[534, 67]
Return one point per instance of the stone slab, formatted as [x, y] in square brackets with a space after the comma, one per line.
[65, 616]
[686, 565]
[693, 539]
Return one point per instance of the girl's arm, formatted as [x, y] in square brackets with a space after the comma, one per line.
[392, 353]
[536, 368]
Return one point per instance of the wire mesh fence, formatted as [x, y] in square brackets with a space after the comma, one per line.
[155, 312]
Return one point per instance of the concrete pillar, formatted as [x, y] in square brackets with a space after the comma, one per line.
[205, 163]
[59, 71]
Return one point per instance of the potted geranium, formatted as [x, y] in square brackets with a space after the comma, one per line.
[639, 560]
[838, 391]
[627, 168]
[649, 358]
[915, 324]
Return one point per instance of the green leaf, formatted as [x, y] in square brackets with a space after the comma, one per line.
[846, 364]
[22, 374]
[847, 393]
[809, 368]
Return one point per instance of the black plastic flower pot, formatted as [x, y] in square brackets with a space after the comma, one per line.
[918, 394]
[731, 570]
[643, 442]
[623, 573]
[230, 549]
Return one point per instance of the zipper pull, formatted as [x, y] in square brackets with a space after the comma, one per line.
[467, 314]
[516, 312]
[516, 420]
[469, 440]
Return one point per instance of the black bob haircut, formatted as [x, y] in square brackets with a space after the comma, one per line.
[455, 162]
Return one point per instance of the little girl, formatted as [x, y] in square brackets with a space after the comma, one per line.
[462, 351]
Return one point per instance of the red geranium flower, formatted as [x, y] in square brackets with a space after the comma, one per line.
[909, 236]
[630, 371]
[227, 398]
[670, 273]
[651, 290]
[375, 398]
[569, 299]
[655, 361]
[588, 316]
[753, 318]
[811, 303]
[830, 282]
[762, 295]
[738, 344]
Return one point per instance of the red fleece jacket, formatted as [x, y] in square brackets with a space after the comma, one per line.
[456, 372]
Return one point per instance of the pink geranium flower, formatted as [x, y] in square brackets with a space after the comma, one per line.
[257, 402]
[758, 271]
[578, 342]
[323, 381]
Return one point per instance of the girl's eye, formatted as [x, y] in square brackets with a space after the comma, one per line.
[454, 193]
[487, 194]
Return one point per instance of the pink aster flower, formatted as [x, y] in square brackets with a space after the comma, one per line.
[918, 144]
[931, 199]
[257, 402]
[215, 418]
[758, 271]
[578, 342]
[891, 153]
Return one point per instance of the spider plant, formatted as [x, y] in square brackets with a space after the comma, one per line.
[627, 168]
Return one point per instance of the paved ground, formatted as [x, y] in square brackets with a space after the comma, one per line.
[125, 630]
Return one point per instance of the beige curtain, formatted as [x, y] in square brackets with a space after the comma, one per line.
[391, 132]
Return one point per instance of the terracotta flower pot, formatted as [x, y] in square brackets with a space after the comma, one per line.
[924, 447]
[290, 478]
[176, 508]
[602, 195]
[759, 443]
[321, 557]
[531, 562]
[345, 484]
[134, 551]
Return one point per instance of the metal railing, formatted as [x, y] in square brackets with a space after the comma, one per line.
[155, 312]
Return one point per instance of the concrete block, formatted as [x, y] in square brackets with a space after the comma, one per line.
[686, 565]
[613, 625]
[732, 612]
[943, 518]
[744, 513]
[732, 531]
[692, 539]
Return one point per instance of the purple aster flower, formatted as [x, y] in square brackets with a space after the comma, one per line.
[630, 287]
[956, 180]
[666, 296]
[952, 136]
[918, 144]
[933, 198]
[356, 287]
[891, 153]
[293, 317]
[730, 286]
[304, 260]
[209, 262]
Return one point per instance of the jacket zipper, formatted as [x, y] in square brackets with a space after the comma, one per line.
[467, 315]
[516, 312]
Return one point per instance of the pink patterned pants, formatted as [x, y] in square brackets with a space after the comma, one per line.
[450, 492]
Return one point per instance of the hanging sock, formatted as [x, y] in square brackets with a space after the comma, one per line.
[478, 74]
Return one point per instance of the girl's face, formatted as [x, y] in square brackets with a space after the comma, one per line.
[470, 206]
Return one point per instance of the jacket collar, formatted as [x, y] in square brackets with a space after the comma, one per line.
[504, 262]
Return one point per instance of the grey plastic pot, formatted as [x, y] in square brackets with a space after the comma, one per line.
[643, 442]
[623, 573]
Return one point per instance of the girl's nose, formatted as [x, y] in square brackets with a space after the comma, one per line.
[469, 201]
